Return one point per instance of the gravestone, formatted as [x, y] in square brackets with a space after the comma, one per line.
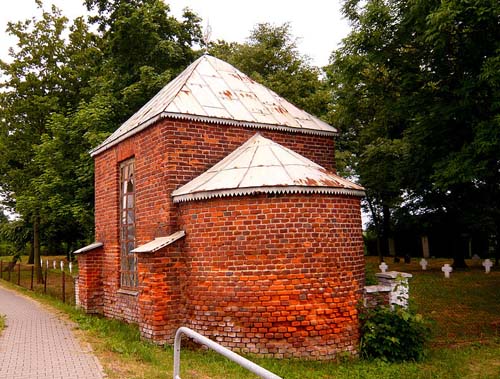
[70, 265]
[487, 265]
[54, 265]
[476, 259]
[423, 264]
[447, 269]
[398, 282]
[383, 267]
[62, 265]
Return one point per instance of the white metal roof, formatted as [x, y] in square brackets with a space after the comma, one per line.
[263, 166]
[159, 243]
[212, 90]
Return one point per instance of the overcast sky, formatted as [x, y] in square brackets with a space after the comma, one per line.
[317, 23]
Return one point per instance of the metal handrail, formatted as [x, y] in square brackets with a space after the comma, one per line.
[243, 362]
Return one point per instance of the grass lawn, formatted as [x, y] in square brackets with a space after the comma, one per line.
[465, 313]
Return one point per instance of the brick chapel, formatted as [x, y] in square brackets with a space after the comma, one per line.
[217, 207]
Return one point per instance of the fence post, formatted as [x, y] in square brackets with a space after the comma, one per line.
[32, 275]
[63, 287]
[19, 274]
[1, 269]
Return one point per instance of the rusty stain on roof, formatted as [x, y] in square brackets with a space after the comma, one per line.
[263, 166]
[212, 90]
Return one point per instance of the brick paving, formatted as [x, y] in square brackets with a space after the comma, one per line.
[36, 344]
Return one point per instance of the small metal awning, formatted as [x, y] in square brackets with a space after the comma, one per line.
[159, 243]
[88, 248]
[261, 165]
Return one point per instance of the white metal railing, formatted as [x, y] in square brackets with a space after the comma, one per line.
[243, 362]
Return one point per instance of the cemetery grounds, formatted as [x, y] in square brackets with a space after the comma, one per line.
[464, 315]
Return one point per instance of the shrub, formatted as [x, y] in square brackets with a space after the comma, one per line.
[393, 335]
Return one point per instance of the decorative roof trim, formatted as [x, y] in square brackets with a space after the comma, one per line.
[159, 243]
[88, 248]
[273, 190]
[212, 120]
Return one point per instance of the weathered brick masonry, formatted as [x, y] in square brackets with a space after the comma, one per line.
[275, 275]
[273, 268]
[167, 155]
[90, 281]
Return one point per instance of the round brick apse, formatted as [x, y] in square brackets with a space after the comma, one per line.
[275, 275]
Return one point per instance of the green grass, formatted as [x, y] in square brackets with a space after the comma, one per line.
[465, 310]
[2, 323]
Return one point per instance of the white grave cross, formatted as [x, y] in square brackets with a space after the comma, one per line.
[487, 265]
[54, 264]
[70, 265]
[62, 265]
[423, 263]
[447, 269]
[383, 267]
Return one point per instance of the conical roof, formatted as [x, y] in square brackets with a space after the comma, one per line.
[263, 166]
[212, 90]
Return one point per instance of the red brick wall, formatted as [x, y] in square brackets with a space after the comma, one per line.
[275, 275]
[90, 281]
[161, 285]
[167, 156]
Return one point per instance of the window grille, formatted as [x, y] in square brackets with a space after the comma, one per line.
[128, 260]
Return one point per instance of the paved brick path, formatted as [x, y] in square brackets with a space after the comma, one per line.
[36, 344]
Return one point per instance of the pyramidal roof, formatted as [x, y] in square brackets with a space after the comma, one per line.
[212, 90]
[263, 166]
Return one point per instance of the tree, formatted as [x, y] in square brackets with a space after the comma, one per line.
[454, 139]
[143, 47]
[365, 75]
[64, 91]
[45, 76]
[271, 57]
[425, 76]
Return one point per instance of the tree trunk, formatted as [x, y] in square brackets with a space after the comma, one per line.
[12, 264]
[376, 222]
[458, 253]
[31, 258]
[386, 229]
[36, 250]
[497, 245]
[379, 249]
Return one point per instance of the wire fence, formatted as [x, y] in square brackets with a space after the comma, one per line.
[57, 280]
